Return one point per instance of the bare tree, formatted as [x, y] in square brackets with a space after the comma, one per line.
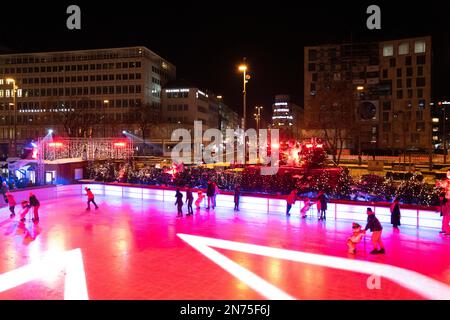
[77, 118]
[335, 116]
[145, 115]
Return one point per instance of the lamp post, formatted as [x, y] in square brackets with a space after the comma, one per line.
[257, 116]
[13, 82]
[243, 69]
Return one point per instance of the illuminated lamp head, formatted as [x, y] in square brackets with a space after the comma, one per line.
[448, 174]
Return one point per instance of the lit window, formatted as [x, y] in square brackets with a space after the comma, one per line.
[403, 48]
[7, 93]
[388, 50]
[1, 81]
[19, 92]
[1, 93]
[419, 47]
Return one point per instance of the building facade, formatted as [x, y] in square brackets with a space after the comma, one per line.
[387, 87]
[287, 117]
[83, 93]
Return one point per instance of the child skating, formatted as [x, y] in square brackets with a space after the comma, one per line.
[11, 203]
[25, 209]
[304, 210]
[91, 198]
[200, 197]
[355, 238]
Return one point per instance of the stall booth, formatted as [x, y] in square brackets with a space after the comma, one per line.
[64, 171]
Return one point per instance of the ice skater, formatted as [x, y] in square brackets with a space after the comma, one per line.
[179, 203]
[375, 227]
[11, 203]
[4, 191]
[210, 191]
[290, 201]
[91, 198]
[200, 197]
[323, 205]
[395, 213]
[237, 195]
[25, 209]
[304, 210]
[355, 238]
[34, 203]
[189, 200]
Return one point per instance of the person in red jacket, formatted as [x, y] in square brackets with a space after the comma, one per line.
[91, 198]
[11, 204]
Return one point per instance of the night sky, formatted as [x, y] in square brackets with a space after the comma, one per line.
[206, 40]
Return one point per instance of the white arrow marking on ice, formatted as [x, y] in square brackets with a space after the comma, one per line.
[414, 281]
[52, 263]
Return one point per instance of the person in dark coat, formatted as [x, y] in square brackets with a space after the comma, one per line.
[375, 227]
[179, 203]
[34, 203]
[237, 195]
[323, 206]
[190, 200]
[395, 213]
[210, 191]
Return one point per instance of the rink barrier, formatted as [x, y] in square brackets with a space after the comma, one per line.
[411, 215]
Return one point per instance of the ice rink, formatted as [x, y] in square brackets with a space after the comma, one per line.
[137, 249]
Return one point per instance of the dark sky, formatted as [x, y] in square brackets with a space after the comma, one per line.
[206, 40]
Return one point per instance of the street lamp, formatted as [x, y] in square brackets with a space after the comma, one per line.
[257, 116]
[243, 68]
[13, 82]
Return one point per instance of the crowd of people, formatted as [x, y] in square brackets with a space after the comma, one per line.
[336, 184]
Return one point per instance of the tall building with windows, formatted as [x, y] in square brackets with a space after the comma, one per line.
[405, 72]
[287, 117]
[388, 84]
[79, 93]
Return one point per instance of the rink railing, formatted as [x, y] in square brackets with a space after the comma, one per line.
[411, 215]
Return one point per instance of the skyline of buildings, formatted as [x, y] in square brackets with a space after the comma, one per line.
[389, 83]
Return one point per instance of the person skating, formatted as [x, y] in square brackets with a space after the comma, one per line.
[190, 200]
[323, 206]
[445, 213]
[355, 238]
[305, 208]
[11, 203]
[34, 203]
[4, 191]
[91, 198]
[237, 195]
[200, 197]
[179, 203]
[395, 213]
[290, 201]
[374, 225]
[25, 209]
[210, 190]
